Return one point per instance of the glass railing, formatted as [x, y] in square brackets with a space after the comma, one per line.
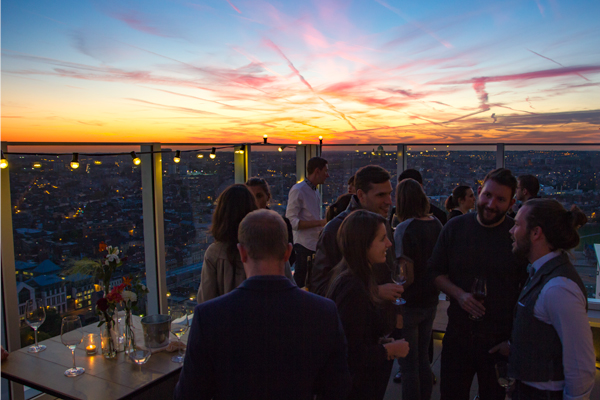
[571, 175]
[63, 215]
[62, 220]
[190, 189]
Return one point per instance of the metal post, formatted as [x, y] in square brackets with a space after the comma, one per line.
[11, 339]
[402, 159]
[241, 163]
[500, 161]
[154, 231]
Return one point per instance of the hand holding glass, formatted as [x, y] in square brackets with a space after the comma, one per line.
[479, 292]
[502, 374]
[35, 315]
[399, 277]
[179, 325]
[71, 334]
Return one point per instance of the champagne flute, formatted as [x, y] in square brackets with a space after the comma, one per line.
[35, 315]
[180, 323]
[71, 334]
[399, 277]
[504, 379]
[479, 291]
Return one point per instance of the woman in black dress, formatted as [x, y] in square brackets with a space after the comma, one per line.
[460, 202]
[415, 237]
[366, 318]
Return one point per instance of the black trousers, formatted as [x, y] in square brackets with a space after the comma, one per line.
[526, 392]
[300, 269]
[464, 355]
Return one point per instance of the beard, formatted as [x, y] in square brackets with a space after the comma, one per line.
[522, 247]
[499, 215]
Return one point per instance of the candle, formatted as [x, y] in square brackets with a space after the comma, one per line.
[91, 347]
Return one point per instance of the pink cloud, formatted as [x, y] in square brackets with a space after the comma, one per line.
[234, 7]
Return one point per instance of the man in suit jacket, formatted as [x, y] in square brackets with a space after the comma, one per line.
[552, 352]
[267, 339]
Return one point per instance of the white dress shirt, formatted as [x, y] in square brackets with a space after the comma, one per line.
[304, 204]
[562, 305]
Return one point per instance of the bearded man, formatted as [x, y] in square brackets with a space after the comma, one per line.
[478, 246]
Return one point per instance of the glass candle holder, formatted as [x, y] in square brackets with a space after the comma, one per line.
[92, 341]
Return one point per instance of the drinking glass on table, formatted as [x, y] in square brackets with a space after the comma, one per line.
[503, 379]
[71, 334]
[399, 277]
[35, 315]
[479, 292]
[180, 323]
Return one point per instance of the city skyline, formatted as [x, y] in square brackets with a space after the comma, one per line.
[353, 72]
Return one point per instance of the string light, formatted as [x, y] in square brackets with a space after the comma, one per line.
[242, 149]
[213, 153]
[177, 157]
[75, 161]
[265, 138]
[281, 148]
[299, 141]
[3, 162]
[200, 155]
[135, 158]
[321, 140]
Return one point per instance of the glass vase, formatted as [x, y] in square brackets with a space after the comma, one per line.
[129, 335]
[107, 340]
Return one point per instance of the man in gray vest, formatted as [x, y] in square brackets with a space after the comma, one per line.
[552, 353]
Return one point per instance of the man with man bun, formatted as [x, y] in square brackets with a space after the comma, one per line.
[552, 352]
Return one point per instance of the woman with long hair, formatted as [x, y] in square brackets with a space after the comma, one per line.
[366, 318]
[415, 237]
[460, 202]
[222, 270]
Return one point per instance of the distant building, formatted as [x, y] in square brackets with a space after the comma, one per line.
[52, 290]
[24, 293]
[80, 289]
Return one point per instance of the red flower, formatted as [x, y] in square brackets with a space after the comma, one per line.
[115, 296]
[102, 304]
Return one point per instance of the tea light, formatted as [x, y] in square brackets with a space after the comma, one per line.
[91, 346]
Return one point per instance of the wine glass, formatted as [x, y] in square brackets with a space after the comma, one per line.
[140, 356]
[399, 277]
[35, 315]
[180, 323]
[504, 379]
[479, 292]
[71, 334]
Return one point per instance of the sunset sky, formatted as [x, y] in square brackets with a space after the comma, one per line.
[362, 71]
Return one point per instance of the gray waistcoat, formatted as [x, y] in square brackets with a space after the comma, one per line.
[536, 350]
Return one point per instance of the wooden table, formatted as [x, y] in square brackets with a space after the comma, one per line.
[118, 378]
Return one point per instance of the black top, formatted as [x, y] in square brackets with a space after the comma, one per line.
[267, 339]
[364, 324]
[467, 250]
[418, 240]
[454, 213]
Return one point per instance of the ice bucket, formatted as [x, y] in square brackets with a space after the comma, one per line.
[156, 330]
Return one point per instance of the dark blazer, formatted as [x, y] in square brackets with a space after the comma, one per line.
[267, 339]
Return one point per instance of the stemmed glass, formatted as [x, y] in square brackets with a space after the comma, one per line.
[503, 379]
[179, 325]
[479, 291]
[399, 277]
[71, 334]
[35, 315]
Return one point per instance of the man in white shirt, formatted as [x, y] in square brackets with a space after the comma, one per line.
[552, 352]
[304, 213]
